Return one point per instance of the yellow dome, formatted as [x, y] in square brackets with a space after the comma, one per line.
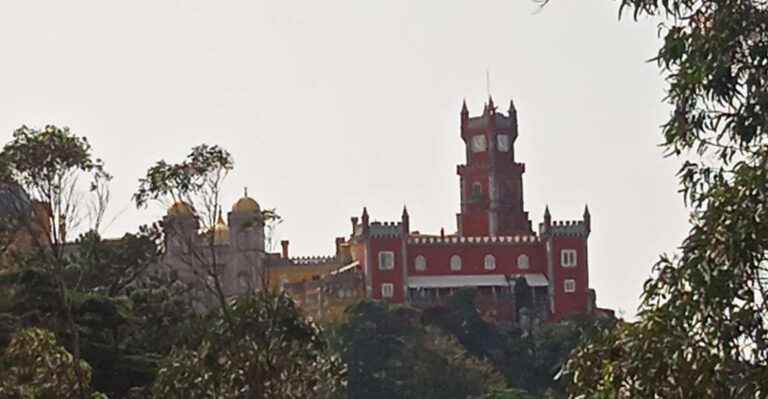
[246, 204]
[181, 208]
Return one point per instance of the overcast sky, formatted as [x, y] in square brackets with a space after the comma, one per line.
[331, 105]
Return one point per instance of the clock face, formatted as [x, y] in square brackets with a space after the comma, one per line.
[502, 142]
[478, 143]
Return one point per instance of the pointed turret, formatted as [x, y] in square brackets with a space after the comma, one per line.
[587, 218]
[547, 217]
[406, 219]
[490, 104]
[464, 113]
[366, 220]
[513, 114]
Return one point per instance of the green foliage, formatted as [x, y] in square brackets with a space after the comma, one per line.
[389, 356]
[126, 319]
[35, 366]
[266, 350]
[505, 393]
[452, 352]
[197, 181]
[434, 365]
[40, 160]
[371, 340]
[701, 325]
[461, 319]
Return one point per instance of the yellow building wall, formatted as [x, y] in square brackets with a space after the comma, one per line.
[296, 273]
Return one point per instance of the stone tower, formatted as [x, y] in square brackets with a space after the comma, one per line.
[491, 180]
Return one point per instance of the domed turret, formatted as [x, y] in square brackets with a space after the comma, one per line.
[181, 208]
[246, 204]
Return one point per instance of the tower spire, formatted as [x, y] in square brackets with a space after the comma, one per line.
[488, 82]
[587, 218]
[406, 220]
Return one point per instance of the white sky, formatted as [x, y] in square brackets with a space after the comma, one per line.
[331, 105]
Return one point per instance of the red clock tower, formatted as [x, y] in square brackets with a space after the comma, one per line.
[491, 180]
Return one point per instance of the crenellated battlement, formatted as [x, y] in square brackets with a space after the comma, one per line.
[569, 228]
[312, 260]
[386, 229]
[453, 240]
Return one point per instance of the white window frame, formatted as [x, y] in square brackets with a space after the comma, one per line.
[569, 286]
[502, 139]
[523, 262]
[382, 263]
[489, 262]
[456, 263]
[387, 290]
[568, 258]
[420, 263]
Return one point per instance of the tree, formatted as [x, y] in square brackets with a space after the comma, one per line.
[267, 350]
[122, 338]
[390, 354]
[528, 359]
[35, 366]
[701, 324]
[461, 319]
[195, 182]
[372, 338]
[56, 169]
[435, 366]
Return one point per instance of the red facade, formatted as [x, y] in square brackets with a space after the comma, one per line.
[521, 275]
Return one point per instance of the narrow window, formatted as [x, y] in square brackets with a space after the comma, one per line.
[477, 189]
[568, 257]
[386, 260]
[489, 262]
[420, 263]
[569, 286]
[523, 262]
[387, 290]
[455, 262]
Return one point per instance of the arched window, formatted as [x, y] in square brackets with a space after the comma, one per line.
[522, 261]
[455, 262]
[477, 189]
[489, 262]
[420, 263]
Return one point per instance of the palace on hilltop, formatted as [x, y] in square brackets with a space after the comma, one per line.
[521, 275]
